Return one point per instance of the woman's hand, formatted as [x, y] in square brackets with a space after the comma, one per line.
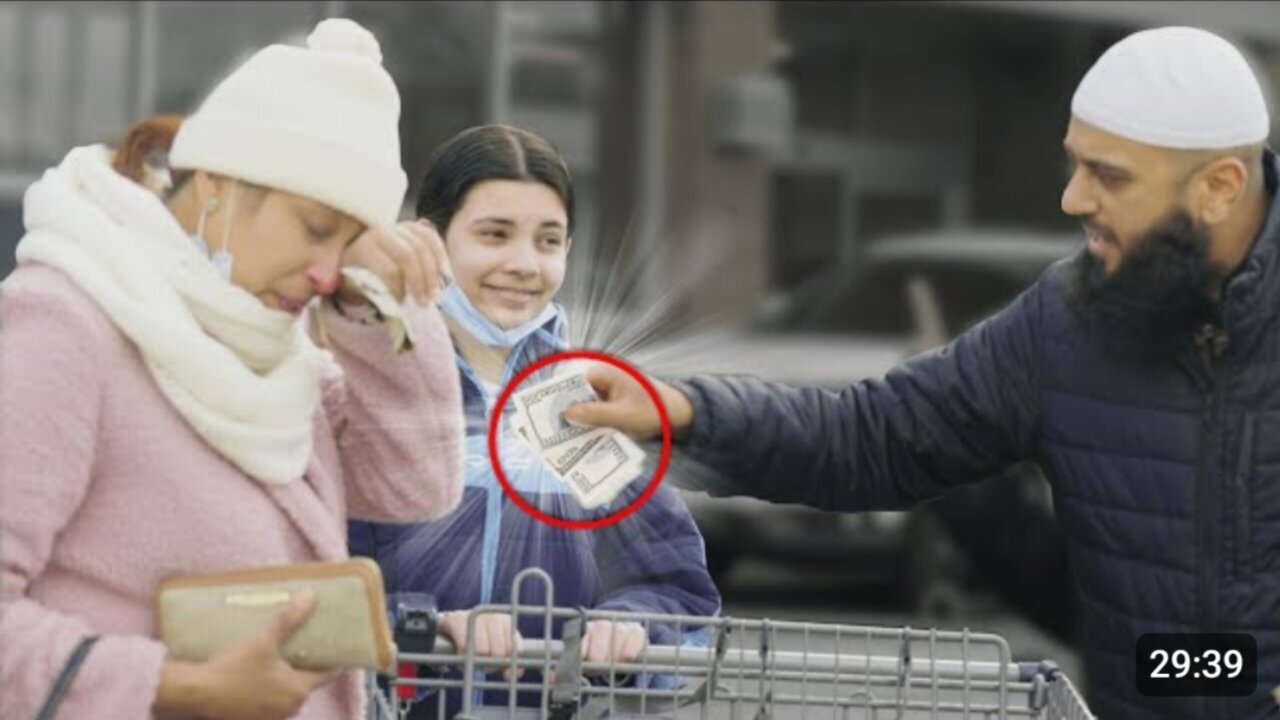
[495, 636]
[249, 681]
[606, 641]
[411, 260]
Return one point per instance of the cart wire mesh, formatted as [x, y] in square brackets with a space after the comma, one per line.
[729, 669]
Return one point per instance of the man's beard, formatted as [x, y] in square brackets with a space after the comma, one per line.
[1158, 296]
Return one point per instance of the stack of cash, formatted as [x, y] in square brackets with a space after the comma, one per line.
[596, 463]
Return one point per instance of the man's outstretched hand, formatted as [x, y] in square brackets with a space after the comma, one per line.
[625, 406]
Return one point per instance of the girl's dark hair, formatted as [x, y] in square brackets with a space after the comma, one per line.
[489, 152]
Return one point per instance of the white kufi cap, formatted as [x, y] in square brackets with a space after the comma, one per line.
[1174, 87]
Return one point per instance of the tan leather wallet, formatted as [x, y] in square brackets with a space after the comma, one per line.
[201, 614]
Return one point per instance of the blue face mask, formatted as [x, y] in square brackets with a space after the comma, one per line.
[222, 258]
[456, 305]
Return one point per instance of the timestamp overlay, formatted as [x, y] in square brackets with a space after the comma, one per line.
[1200, 664]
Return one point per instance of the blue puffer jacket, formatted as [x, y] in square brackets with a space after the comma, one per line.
[1166, 477]
[653, 561]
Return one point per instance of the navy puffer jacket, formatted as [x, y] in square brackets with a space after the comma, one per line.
[1166, 476]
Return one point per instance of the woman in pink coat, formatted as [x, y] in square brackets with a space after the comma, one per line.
[183, 391]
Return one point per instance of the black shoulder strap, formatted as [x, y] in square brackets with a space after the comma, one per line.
[54, 699]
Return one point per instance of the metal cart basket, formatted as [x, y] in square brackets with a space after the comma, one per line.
[745, 670]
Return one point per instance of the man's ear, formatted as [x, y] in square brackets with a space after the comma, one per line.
[1217, 188]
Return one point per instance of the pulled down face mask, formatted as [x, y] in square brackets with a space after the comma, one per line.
[221, 259]
[456, 305]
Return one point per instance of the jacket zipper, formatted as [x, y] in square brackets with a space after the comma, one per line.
[1211, 343]
[1243, 527]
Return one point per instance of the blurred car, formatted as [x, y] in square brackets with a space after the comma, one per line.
[906, 294]
[929, 286]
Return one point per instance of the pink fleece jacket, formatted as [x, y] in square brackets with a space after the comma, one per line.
[105, 490]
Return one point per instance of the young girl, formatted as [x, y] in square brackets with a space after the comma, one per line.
[503, 199]
[164, 409]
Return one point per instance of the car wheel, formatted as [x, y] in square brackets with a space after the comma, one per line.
[934, 569]
[719, 560]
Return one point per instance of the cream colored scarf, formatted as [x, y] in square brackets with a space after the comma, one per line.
[246, 377]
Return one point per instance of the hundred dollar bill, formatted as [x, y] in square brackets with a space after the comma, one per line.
[608, 466]
[541, 409]
[595, 463]
[597, 467]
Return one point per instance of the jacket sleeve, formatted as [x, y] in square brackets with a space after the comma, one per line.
[361, 540]
[655, 562]
[51, 383]
[397, 417]
[953, 415]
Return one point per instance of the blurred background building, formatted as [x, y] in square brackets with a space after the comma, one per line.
[800, 130]
[859, 180]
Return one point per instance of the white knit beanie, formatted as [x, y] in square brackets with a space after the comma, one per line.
[1175, 87]
[320, 122]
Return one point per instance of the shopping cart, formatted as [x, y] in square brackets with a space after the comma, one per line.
[770, 670]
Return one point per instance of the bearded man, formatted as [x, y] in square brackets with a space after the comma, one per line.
[1142, 375]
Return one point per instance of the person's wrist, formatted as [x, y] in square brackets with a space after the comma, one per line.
[679, 412]
[184, 689]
